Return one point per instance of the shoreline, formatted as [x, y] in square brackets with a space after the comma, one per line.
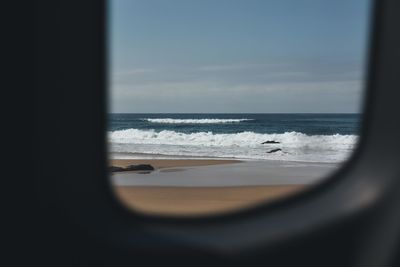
[189, 187]
[151, 157]
[171, 163]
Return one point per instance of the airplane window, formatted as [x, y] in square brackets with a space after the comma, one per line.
[219, 105]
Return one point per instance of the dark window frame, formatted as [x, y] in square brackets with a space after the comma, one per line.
[72, 80]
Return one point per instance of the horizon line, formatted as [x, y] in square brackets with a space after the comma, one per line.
[235, 112]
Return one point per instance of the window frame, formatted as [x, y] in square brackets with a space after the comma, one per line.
[73, 52]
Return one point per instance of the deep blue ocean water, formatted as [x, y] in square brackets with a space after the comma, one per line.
[301, 137]
[311, 124]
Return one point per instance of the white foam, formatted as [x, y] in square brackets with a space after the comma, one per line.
[295, 146]
[195, 121]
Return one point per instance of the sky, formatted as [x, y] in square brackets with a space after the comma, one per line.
[237, 56]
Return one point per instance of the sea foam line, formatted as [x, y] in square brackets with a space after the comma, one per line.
[194, 121]
[241, 139]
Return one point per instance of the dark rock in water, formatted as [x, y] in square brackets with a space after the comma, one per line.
[270, 142]
[140, 167]
[274, 150]
[115, 169]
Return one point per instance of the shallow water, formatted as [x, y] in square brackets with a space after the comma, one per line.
[247, 173]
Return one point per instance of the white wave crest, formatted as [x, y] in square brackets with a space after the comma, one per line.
[194, 121]
[294, 145]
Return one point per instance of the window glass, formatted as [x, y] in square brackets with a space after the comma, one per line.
[217, 105]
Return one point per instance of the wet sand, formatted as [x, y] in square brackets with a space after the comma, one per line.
[208, 186]
[169, 163]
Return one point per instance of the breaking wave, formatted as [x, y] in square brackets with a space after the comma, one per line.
[295, 146]
[195, 121]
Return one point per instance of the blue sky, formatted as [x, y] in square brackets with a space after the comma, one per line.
[190, 56]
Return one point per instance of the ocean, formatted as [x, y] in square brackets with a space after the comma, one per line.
[298, 137]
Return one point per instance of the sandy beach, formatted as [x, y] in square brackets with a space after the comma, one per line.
[198, 200]
[192, 187]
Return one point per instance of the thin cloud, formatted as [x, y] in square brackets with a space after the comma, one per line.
[137, 71]
[240, 66]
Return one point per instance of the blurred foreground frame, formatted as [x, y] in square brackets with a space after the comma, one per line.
[351, 220]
